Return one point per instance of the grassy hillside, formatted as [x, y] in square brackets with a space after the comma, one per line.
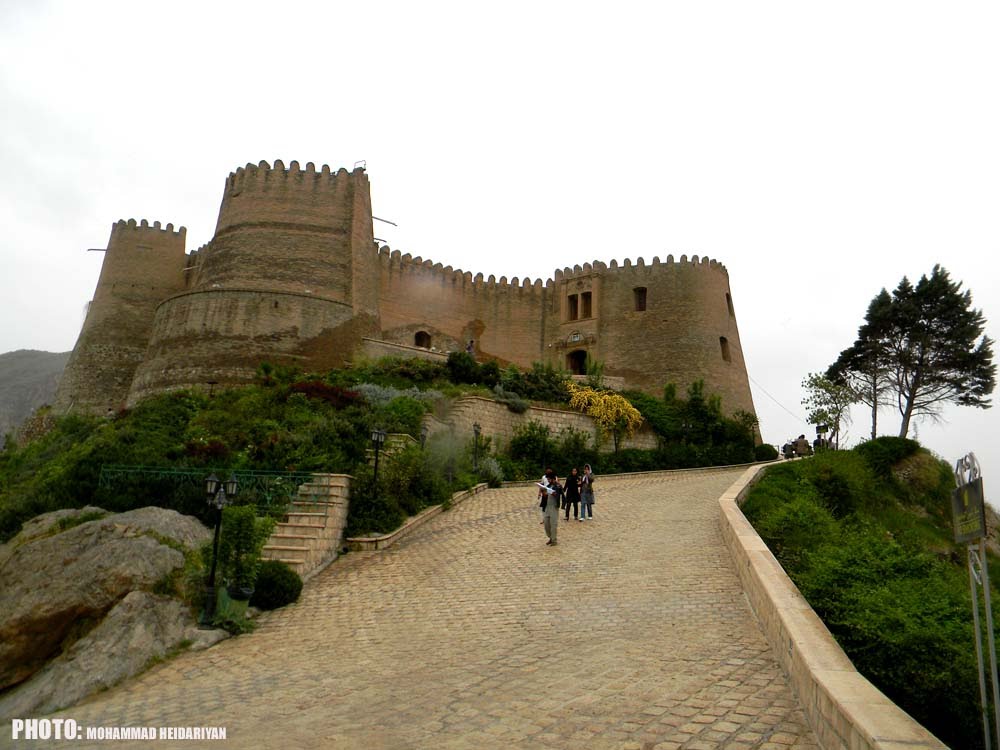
[866, 536]
[28, 379]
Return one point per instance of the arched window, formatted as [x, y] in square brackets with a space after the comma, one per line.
[729, 304]
[724, 345]
[422, 339]
[576, 362]
[639, 294]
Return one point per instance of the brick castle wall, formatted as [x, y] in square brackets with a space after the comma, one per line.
[293, 276]
[504, 319]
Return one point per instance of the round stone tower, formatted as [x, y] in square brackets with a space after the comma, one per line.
[290, 277]
[666, 322]
[143, 264]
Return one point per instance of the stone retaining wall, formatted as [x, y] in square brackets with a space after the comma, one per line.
[499, 423]
[358, 543]
[844, 709]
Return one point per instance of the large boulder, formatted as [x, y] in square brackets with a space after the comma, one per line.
[48, 524]
[140, 628]
[55, 588]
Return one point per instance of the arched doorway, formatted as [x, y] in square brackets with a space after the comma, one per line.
[422, 339]
[576, 362]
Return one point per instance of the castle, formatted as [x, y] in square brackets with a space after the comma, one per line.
[293, 275]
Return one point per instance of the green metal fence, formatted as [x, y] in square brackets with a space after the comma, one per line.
[270, 491]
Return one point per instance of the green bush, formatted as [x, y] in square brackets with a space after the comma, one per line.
[242, 538]
[628, 460]
[794, 526]
[765, 452]
[885, 452]
[371, 511]
[510, 399]
[402, 414]
[532, 442]
[573, 448]
[680, 456]
[462, 368]
[410, 480]
[277, 585]
[843, 480]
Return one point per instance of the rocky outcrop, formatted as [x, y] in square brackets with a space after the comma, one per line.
[141, 628]
[55, 588]
[48, 524]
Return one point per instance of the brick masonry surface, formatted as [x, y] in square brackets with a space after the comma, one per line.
[633, 632]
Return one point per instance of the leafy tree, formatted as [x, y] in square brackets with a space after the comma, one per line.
[828, 402]
[936, 349]
[864, 367]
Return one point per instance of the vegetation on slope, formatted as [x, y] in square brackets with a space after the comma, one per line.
[866, 536]
[288, 421]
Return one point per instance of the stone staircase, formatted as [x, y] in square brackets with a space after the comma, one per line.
[311, 534]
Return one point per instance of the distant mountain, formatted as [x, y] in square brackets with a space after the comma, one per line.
[28, 379]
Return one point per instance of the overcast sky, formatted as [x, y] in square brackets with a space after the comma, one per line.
[820, 151]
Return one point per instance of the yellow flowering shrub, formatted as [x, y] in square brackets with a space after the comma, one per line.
[612, 411]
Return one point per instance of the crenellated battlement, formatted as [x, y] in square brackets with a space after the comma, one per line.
[121, 227]
[393, 259]
[263, 177]
[640, 265]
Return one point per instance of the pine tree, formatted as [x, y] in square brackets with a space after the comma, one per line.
[926, 345]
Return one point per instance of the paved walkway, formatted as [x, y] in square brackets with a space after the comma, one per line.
[472, 633]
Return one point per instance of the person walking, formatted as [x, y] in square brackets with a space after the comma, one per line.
[572, 493]
[587, 493]
[543, 495]
[554, 492]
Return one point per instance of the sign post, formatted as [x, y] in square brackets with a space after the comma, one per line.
[968, 512]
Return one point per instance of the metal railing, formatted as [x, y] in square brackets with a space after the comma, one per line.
[271, 492]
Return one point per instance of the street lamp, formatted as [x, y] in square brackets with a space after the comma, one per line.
[378, 438]
[218, 494]
[476, 429]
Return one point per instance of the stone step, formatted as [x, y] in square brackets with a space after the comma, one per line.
[323, 490]
[320, 500]
[298, 529]
[307, 519]
[292, 540]
[334, 480]
[286, 552]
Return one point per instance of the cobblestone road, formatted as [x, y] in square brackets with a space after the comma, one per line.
[472, 633]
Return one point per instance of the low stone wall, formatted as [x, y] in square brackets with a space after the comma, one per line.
[499, 422]
[358, 543]
[844, 709]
